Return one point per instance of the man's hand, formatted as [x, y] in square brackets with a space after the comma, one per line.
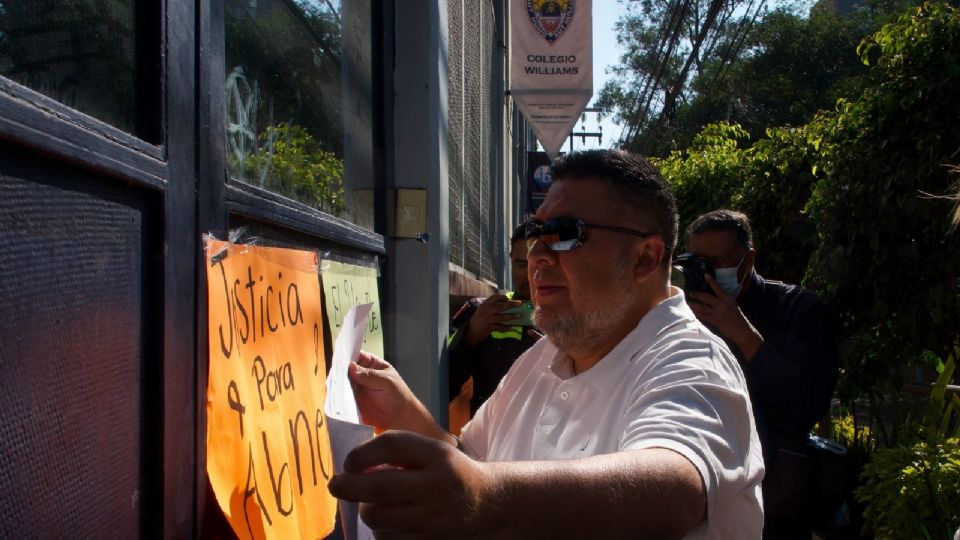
[386, 402]
[382, 395]
[720, 312]
[489, 318]
[415, 487]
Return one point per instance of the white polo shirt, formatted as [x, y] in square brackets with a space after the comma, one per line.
[670, 383]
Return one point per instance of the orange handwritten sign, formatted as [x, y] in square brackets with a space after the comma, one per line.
[268, 450]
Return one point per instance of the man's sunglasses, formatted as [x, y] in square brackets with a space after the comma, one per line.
[564, 234]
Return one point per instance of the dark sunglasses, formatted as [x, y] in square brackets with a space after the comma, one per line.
[564, 234]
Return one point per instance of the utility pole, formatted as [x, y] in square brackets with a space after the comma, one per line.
[583, 134]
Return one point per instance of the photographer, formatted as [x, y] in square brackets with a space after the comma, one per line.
[485, 341]
[782, 337]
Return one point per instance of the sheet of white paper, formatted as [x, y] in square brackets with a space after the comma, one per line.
[344, 437]
[341, 403]
[343, 419]
[363, 532]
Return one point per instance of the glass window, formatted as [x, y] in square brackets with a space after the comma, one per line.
[297, 123]
[80, 53]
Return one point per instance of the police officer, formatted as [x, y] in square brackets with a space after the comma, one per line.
[483, 343]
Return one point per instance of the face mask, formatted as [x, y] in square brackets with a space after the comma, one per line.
[727, 279]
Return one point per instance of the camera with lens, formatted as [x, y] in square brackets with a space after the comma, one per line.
[688, 273]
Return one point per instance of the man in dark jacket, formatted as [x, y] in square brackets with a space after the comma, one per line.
[783, 338]
[483, 343]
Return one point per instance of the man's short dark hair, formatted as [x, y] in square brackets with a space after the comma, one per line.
[518, 232]
[635, 180]
[731, 221]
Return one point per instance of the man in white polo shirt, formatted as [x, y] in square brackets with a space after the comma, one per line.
[631, 420]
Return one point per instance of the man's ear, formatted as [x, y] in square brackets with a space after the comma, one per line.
[648, 255]
[747, 265]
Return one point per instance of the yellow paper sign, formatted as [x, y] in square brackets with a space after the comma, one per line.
[268, 450]
[349, 285]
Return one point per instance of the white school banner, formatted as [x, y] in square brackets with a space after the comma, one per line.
[551, 65]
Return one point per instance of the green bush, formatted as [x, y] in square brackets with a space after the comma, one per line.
[709, 173]
[886, 260]
[844, 430]
[912, 490]
[290, 161]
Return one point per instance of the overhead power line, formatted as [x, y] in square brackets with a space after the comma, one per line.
[668, 37]
[668, 103]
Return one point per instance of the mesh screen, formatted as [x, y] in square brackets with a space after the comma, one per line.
[489, 264]
[474, 139]
[455, 120]
[70, 360]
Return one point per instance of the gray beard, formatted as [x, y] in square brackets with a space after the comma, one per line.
[584, 331]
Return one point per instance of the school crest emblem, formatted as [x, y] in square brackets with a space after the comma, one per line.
[550, 17]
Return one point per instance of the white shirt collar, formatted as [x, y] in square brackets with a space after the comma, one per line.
[669, 312]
